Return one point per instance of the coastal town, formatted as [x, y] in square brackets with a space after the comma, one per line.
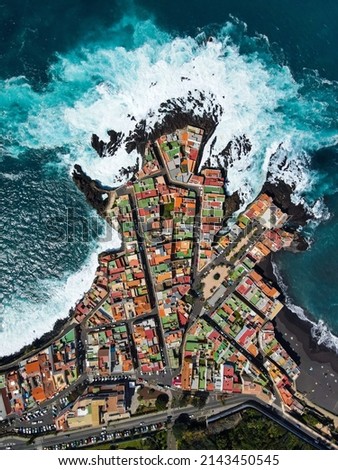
[183, 306]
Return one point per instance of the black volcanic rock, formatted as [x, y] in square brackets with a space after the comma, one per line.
[104, 149]
[299, 244]
[172, 115]
[37, 344]
[137, 140]
[281, 193]
[232, 204]
[239, 145]
[98, 145]
[116, 139]
[94, 194]
[176, 119]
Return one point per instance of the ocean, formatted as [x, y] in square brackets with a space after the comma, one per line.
[68, 71]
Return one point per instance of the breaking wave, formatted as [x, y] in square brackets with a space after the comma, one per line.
[100, 86]
[319, 331]
[34, 318]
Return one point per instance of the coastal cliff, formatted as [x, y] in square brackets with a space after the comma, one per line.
[232, 204]
[281, 194]
[38, 344]
[95, 195]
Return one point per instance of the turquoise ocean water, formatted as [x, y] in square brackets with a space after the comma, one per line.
[68, 71]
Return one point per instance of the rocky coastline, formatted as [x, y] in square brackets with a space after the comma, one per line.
[318, 363]
[95, 195]
[38, 344]
[104, 148]
[174, 118]
[281, 194]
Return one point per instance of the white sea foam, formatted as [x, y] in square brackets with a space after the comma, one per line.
[102, 87]
[322, 334]
[11, 176]
[132, 84]
[320, 330]
[32, 319]
[319, 212]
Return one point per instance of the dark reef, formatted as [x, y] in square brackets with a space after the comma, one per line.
[231, 205]
[103, 148]
[92, 190]
[174, 117]
[281, 194]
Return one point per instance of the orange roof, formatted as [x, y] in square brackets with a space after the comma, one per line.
[255, 276]
[227, 309]
[161, 259]
[265, 197]
[286, 396]
[210, 387]
[161, 311]
[164, 277]
[178, 202]
[186, 374]
[127, 365]
[32, 368]
[184, 137]
[253, 349]
[264, 249]
[269, 291]
[191, 165]
[142, 305]
[38, 394]
[212, 173]
[134, 283]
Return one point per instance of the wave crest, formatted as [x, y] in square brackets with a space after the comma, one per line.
[98, 86]
[103, 85]
[320, 330]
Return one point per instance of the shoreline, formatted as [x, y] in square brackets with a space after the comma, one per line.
[37, 344]
[293, 332]
[175, 119]
[290, 319]
[318, 379]
[94, 192]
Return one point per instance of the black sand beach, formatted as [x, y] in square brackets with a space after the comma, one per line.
[318, 379]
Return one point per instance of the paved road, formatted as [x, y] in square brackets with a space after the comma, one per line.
[212, 411]
[147, 270]
[121, 425]
[279, 417]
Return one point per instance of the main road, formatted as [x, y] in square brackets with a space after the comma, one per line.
[212, 411]
[120, 426]
[286, 421]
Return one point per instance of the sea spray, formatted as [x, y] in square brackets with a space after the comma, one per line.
[95, 88]
[319, 331]
[36, 318]
[98, 86]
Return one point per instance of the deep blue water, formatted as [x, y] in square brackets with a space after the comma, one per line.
[68, 69]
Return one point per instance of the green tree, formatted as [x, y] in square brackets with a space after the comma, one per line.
[162, 402]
